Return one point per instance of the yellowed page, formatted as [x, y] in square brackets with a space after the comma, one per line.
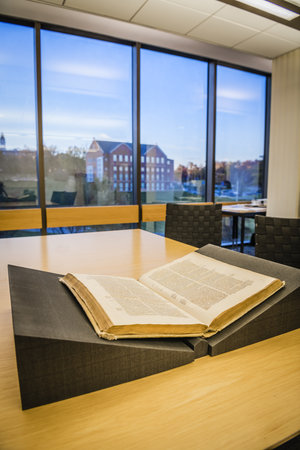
[203, 286]
[128, 302]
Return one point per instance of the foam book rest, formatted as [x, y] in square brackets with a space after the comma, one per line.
[59, 355]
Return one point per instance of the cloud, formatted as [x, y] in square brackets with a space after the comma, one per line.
[85, 70]
[78, 91]
[236, 94]
[13, 116]
[80, 122]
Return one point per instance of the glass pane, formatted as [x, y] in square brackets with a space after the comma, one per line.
[227, 232]
[240, 131]
[18, 174]
[173, 127]
[19, 233]
[154, 227]
[86, 89]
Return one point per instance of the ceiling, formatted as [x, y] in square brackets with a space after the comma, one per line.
[222, 23]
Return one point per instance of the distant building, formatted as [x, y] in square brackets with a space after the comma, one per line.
[2, 142]
[113, 161]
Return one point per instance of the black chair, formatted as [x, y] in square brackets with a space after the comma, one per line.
[278, 239]
[195, 225]
[63, 198]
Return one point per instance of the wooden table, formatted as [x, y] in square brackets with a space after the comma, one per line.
[248, 398]
[243, 211]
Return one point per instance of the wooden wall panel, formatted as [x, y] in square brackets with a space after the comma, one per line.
[153, 213]
[20, 219]
[91, 215]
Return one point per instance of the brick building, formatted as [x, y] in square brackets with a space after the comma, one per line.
[113, 161]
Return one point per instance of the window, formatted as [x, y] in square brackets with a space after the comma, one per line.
[18, 175]
[173, 115]
[87, 123]
[86, 90]
[100, 168]
[174, 126]
[89, 174]
[240, 134]
[240, 137]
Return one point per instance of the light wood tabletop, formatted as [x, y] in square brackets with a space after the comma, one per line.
[243, 209]
[245, 399]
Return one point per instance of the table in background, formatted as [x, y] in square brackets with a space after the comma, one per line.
[248, 398]
[244, 211]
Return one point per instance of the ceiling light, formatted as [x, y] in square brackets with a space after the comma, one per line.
[271, 8]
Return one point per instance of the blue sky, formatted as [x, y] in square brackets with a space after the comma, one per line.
[17, 119]
[86, 88]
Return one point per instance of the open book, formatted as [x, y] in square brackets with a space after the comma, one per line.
[192, 296]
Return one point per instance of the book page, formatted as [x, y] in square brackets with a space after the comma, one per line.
[127, 302]
[203, 286]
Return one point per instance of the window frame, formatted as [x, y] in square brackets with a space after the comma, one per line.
[137, 158]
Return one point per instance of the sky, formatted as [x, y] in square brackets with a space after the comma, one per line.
[87, 92]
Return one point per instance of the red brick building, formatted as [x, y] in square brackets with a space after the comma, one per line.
[113, 161]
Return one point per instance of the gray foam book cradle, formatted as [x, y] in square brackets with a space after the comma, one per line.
[60, 356]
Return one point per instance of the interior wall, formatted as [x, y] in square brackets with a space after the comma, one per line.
[284, 156]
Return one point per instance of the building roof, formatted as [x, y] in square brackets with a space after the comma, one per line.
[110, 146]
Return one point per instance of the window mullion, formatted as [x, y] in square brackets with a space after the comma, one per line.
[211, 133]
[39, 127]
[136, 130]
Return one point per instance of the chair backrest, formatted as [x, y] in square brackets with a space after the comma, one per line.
[278, 239]
[195, 225]
[63, 198]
